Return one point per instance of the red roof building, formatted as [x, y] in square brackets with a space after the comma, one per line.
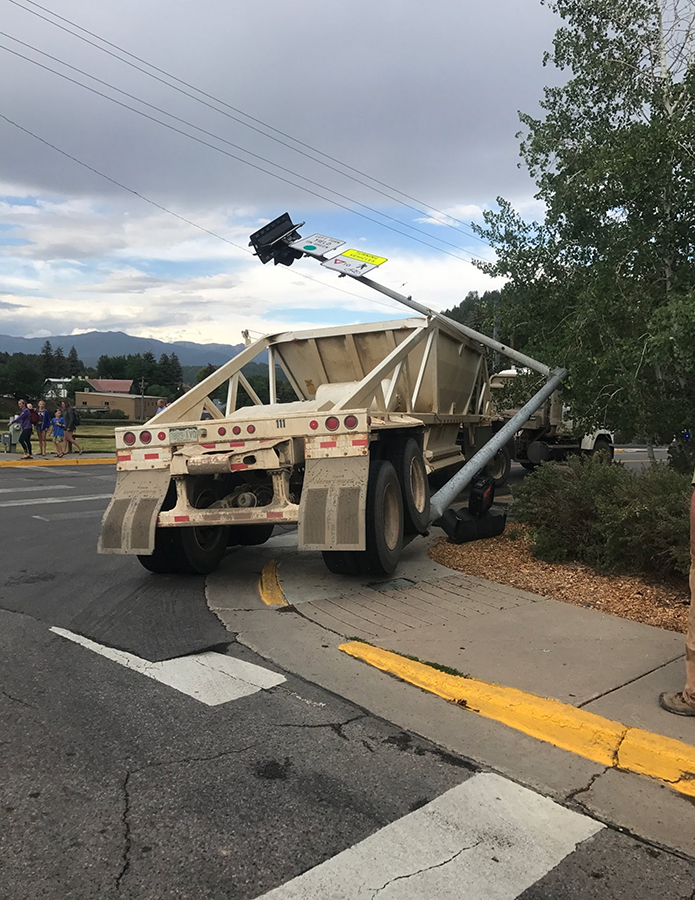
[110, 385]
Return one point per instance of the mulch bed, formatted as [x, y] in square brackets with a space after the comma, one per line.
[509, 560]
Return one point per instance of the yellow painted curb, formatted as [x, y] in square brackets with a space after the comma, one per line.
[561, 724]
[269, 586]
[89, 461]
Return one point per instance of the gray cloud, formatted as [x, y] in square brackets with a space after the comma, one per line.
[422, 96]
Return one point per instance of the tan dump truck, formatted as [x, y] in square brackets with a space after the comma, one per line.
[379, 409]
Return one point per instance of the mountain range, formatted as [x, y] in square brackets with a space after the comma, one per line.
[93, 344]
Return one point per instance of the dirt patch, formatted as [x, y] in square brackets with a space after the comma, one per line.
[510, 561]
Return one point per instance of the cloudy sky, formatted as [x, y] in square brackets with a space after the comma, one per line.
[422, 97]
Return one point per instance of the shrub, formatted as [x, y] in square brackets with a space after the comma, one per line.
[608, 516]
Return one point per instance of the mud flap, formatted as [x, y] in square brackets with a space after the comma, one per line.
[130, 519]
[333, 504]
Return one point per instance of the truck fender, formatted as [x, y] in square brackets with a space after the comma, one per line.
[333, 504]
[130, 520]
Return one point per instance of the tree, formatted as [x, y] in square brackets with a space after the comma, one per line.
[164, 370]
[22, 377]
[60, 364]
[47, 364]
[606, 284]
[175, 371]
[75, 366]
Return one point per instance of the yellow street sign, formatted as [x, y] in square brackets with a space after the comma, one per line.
[368, 258]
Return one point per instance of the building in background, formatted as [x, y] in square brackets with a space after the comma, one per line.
[134, 406]
[111, 385]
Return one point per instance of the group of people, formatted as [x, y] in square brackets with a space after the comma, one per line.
[62, 424]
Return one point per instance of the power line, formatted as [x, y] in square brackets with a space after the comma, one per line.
[232, 155]
[176, 215]
[464, 229]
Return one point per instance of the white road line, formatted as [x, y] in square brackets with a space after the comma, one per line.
[42, 518]
[43, 500]
[64, 517]
[37, 487]
[488, 839]
[209, 677]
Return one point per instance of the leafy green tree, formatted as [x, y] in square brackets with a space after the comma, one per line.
[76, 384]
[22, 377]
[164, 371]
[175, 371]
[605, 285]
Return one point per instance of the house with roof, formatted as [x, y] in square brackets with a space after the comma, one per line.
[110, 385]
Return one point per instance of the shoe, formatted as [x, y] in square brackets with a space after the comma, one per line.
[675, 703]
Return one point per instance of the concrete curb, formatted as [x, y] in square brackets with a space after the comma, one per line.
[79, 461]
[581, 732]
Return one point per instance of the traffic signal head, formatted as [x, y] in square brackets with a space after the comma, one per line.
[271, 241]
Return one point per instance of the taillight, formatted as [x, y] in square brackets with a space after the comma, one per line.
[221, 431]
[129, 438]
[236, 429]
[251, 429]
[145, 437]
[351, 421]
[313, 424]
[332, 423]
[162, 436]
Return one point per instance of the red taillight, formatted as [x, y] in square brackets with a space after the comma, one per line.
[332, 423]
[236, 429]
[251, 429]
[129, 438]
[145, 437]
[162, 436]
[313, 424]
[221, 431]
[351, 421]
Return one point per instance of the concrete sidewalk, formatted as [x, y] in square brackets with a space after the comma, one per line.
[601, 663]
[89, 457]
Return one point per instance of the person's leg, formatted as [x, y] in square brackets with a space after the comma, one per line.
[25, 441]
[683, 704]
[70, 435]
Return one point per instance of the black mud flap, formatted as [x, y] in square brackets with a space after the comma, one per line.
[461, 526]
[130, 519]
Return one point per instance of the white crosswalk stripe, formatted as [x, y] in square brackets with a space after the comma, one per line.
[212, 678]
[487, 839]
[40, 501]
[36, 487]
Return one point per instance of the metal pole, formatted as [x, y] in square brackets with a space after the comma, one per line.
[519, 358]
[445, 495]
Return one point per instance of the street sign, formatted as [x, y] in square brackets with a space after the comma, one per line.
[354, 262]
[317, 245]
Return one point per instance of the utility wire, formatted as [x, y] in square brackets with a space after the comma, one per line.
[238, 158]
[176, 215]
[464, 229]
[218, 137]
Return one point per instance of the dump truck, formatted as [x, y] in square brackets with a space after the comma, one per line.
[548, 434]
[379, 409]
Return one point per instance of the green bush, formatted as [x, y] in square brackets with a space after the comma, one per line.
[608, 516]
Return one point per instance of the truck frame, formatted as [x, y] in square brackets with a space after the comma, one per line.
[379, 409]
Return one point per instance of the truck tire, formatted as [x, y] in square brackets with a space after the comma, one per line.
[529, 466]
[415, 488]
[167, 547]
[602, 450]
[341, 562]
[203, 547]
[500, 466]
[249, 535]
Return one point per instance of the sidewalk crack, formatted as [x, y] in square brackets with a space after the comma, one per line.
[127, 841]
[439, 865]
[17, 699]
[337, 727]
[572, 796]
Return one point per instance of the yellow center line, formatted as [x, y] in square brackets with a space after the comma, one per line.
[269, 587]
[561, 724]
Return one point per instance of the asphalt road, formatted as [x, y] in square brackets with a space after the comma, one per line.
[118, 783]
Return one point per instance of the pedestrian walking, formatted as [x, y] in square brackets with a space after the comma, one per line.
[43, 427]
[71, 423]
[683, 703]
[24, 419]
[58, 425]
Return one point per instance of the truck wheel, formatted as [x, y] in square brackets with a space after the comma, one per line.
[602, 450]
[500, 466]
[384, 516]
[249, 535]
[203, 546]
[167, 546]
[167, 553]
[415, 488]
[341, 562]
[529, 466]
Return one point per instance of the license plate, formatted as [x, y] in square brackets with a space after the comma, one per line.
[182, 435]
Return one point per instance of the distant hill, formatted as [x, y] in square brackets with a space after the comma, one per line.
[93, 344]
